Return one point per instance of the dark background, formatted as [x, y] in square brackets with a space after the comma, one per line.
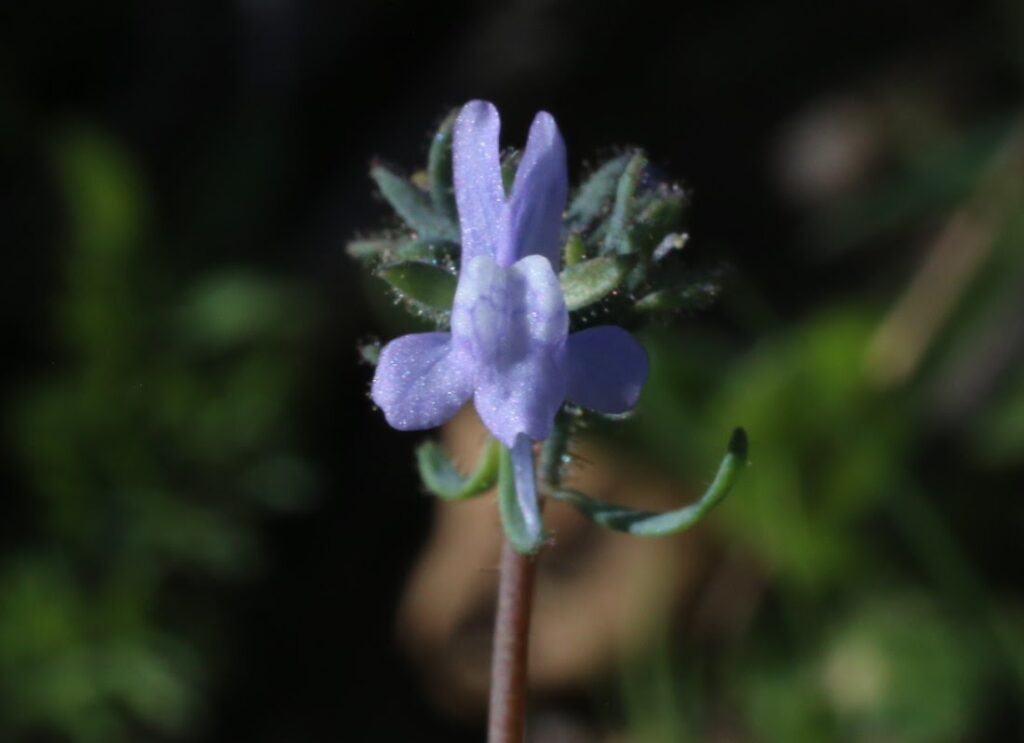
[253, 125]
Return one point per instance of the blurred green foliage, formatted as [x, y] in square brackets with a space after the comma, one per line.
[152, 452]
[874, 619]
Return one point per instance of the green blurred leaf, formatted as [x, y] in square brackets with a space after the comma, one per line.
[897, 670]
[591, 281]
[108, 211]
[781, 702]
[281, 482]
[230, 309]
[103, 191]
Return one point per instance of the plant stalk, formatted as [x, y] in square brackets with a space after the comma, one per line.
[507, 721]
[517, 571]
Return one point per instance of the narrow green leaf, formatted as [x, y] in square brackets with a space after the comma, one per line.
[595, 194]
[424, 283]
[616, 239]
[413, 205]
[593, 280]
[439, 166]
[442, 479]
[520, 516]
[647, 524]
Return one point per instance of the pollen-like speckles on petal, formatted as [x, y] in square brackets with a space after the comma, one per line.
[422, 380]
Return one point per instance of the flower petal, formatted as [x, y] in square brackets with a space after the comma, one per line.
[479, 193]
[513, 323]
[522, 399]
[421, 381]
[542, 302]
[606, 369]
[539, 195]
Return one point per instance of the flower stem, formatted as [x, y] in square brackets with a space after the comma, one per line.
[511, 645]
[507, 716]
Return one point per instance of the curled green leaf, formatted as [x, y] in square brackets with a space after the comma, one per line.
[413, 205]
[591, 281]
[424, 283]
[648, 524]
[442, 479]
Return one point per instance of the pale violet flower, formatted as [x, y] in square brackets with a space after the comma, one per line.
[509, 349]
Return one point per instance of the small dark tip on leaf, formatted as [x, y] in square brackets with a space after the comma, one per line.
[738, 444]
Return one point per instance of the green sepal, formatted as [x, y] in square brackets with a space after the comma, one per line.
[375, 250]
[595, 194]
[690, 296]
[521, 536]
[648, 524]
[413, 205]
[439, 168]
[593, 280]
[424, 283]
[369, 251]
[575, 250]
[658, 219]
[441, 478]
[616, 239]
[430, 250]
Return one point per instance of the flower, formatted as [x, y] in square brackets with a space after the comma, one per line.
[509, 349]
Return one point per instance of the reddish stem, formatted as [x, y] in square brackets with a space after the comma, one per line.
[507, 721]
